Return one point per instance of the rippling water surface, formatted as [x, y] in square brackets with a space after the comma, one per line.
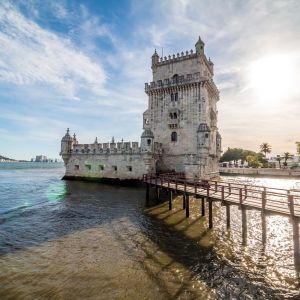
[78, 240]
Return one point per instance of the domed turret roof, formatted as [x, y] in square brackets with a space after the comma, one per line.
[147, 134]
[67, 137]
[203, 127]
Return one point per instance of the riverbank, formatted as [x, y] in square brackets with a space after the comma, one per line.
[261, 172]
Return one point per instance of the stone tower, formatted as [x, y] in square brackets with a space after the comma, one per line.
[182, 113]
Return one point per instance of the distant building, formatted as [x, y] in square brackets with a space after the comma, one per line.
[291, 162]
[41, 158]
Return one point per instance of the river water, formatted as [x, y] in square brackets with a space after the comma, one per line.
[78, 240]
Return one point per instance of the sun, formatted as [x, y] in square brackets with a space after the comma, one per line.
[273, 78]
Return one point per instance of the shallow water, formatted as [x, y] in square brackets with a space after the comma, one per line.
[78, 240]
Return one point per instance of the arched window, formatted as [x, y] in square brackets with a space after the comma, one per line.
[149, 142]
[171, 115]
[176, 97]
[174, 136]
[175, 115]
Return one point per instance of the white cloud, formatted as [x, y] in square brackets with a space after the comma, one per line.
[30, 54]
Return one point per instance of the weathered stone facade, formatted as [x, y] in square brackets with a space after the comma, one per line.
[182, 112]
[180, 127]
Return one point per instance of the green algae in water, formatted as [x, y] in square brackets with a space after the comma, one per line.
[56, 192]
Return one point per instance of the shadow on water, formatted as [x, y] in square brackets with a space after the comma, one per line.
[85, 205]
[88, 205]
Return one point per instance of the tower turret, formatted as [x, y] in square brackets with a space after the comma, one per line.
[155, 58]
[203, 138]
[147, 141]
[199, 46]
[211, 64]
[66, 146]
[75, 142]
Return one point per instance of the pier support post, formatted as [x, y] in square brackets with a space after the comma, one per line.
[263, 227]
[170, 200]
[183, 201]
[210, 213]
[203, 206]
[296, 244]
[187, 206]
[227, 215]
[157, 195]
[244, 226]
[147, 194]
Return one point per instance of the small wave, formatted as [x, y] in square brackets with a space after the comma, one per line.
[17, 211]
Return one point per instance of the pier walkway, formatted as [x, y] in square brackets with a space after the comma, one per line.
[266, 199]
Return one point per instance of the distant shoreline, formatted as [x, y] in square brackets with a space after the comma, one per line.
[261, 172]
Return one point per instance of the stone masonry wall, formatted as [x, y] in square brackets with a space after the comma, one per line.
[121, 166]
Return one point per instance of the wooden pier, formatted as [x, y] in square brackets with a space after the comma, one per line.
[266, 199]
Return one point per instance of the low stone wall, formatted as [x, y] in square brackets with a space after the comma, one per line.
[261, 172]
[114, 166]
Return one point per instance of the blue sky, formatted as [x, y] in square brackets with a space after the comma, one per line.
[83, 65]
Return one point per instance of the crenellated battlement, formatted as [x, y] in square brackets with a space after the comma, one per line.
[112, 148]
[178, 57]
[178, 80]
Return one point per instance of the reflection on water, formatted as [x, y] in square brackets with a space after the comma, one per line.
[86, 240]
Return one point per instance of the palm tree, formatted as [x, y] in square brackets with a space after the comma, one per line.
[286, 156]
[279, 160]
[265, 148]
[298, 147]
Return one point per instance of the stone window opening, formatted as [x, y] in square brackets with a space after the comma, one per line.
[129, 168]
[174, 136]
[115, 168]
[206, 135]
[175, 115]
[88, 167]
[174, 97]
[76, 167]
[149, 142]
[101, 167]
[171, 115]
[175, 78]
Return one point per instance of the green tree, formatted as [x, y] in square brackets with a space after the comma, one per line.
[286, 156]
[262, 160]
[278, 158]
[252, 161]
[232, 154]
[298, 147]
[265, 148]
